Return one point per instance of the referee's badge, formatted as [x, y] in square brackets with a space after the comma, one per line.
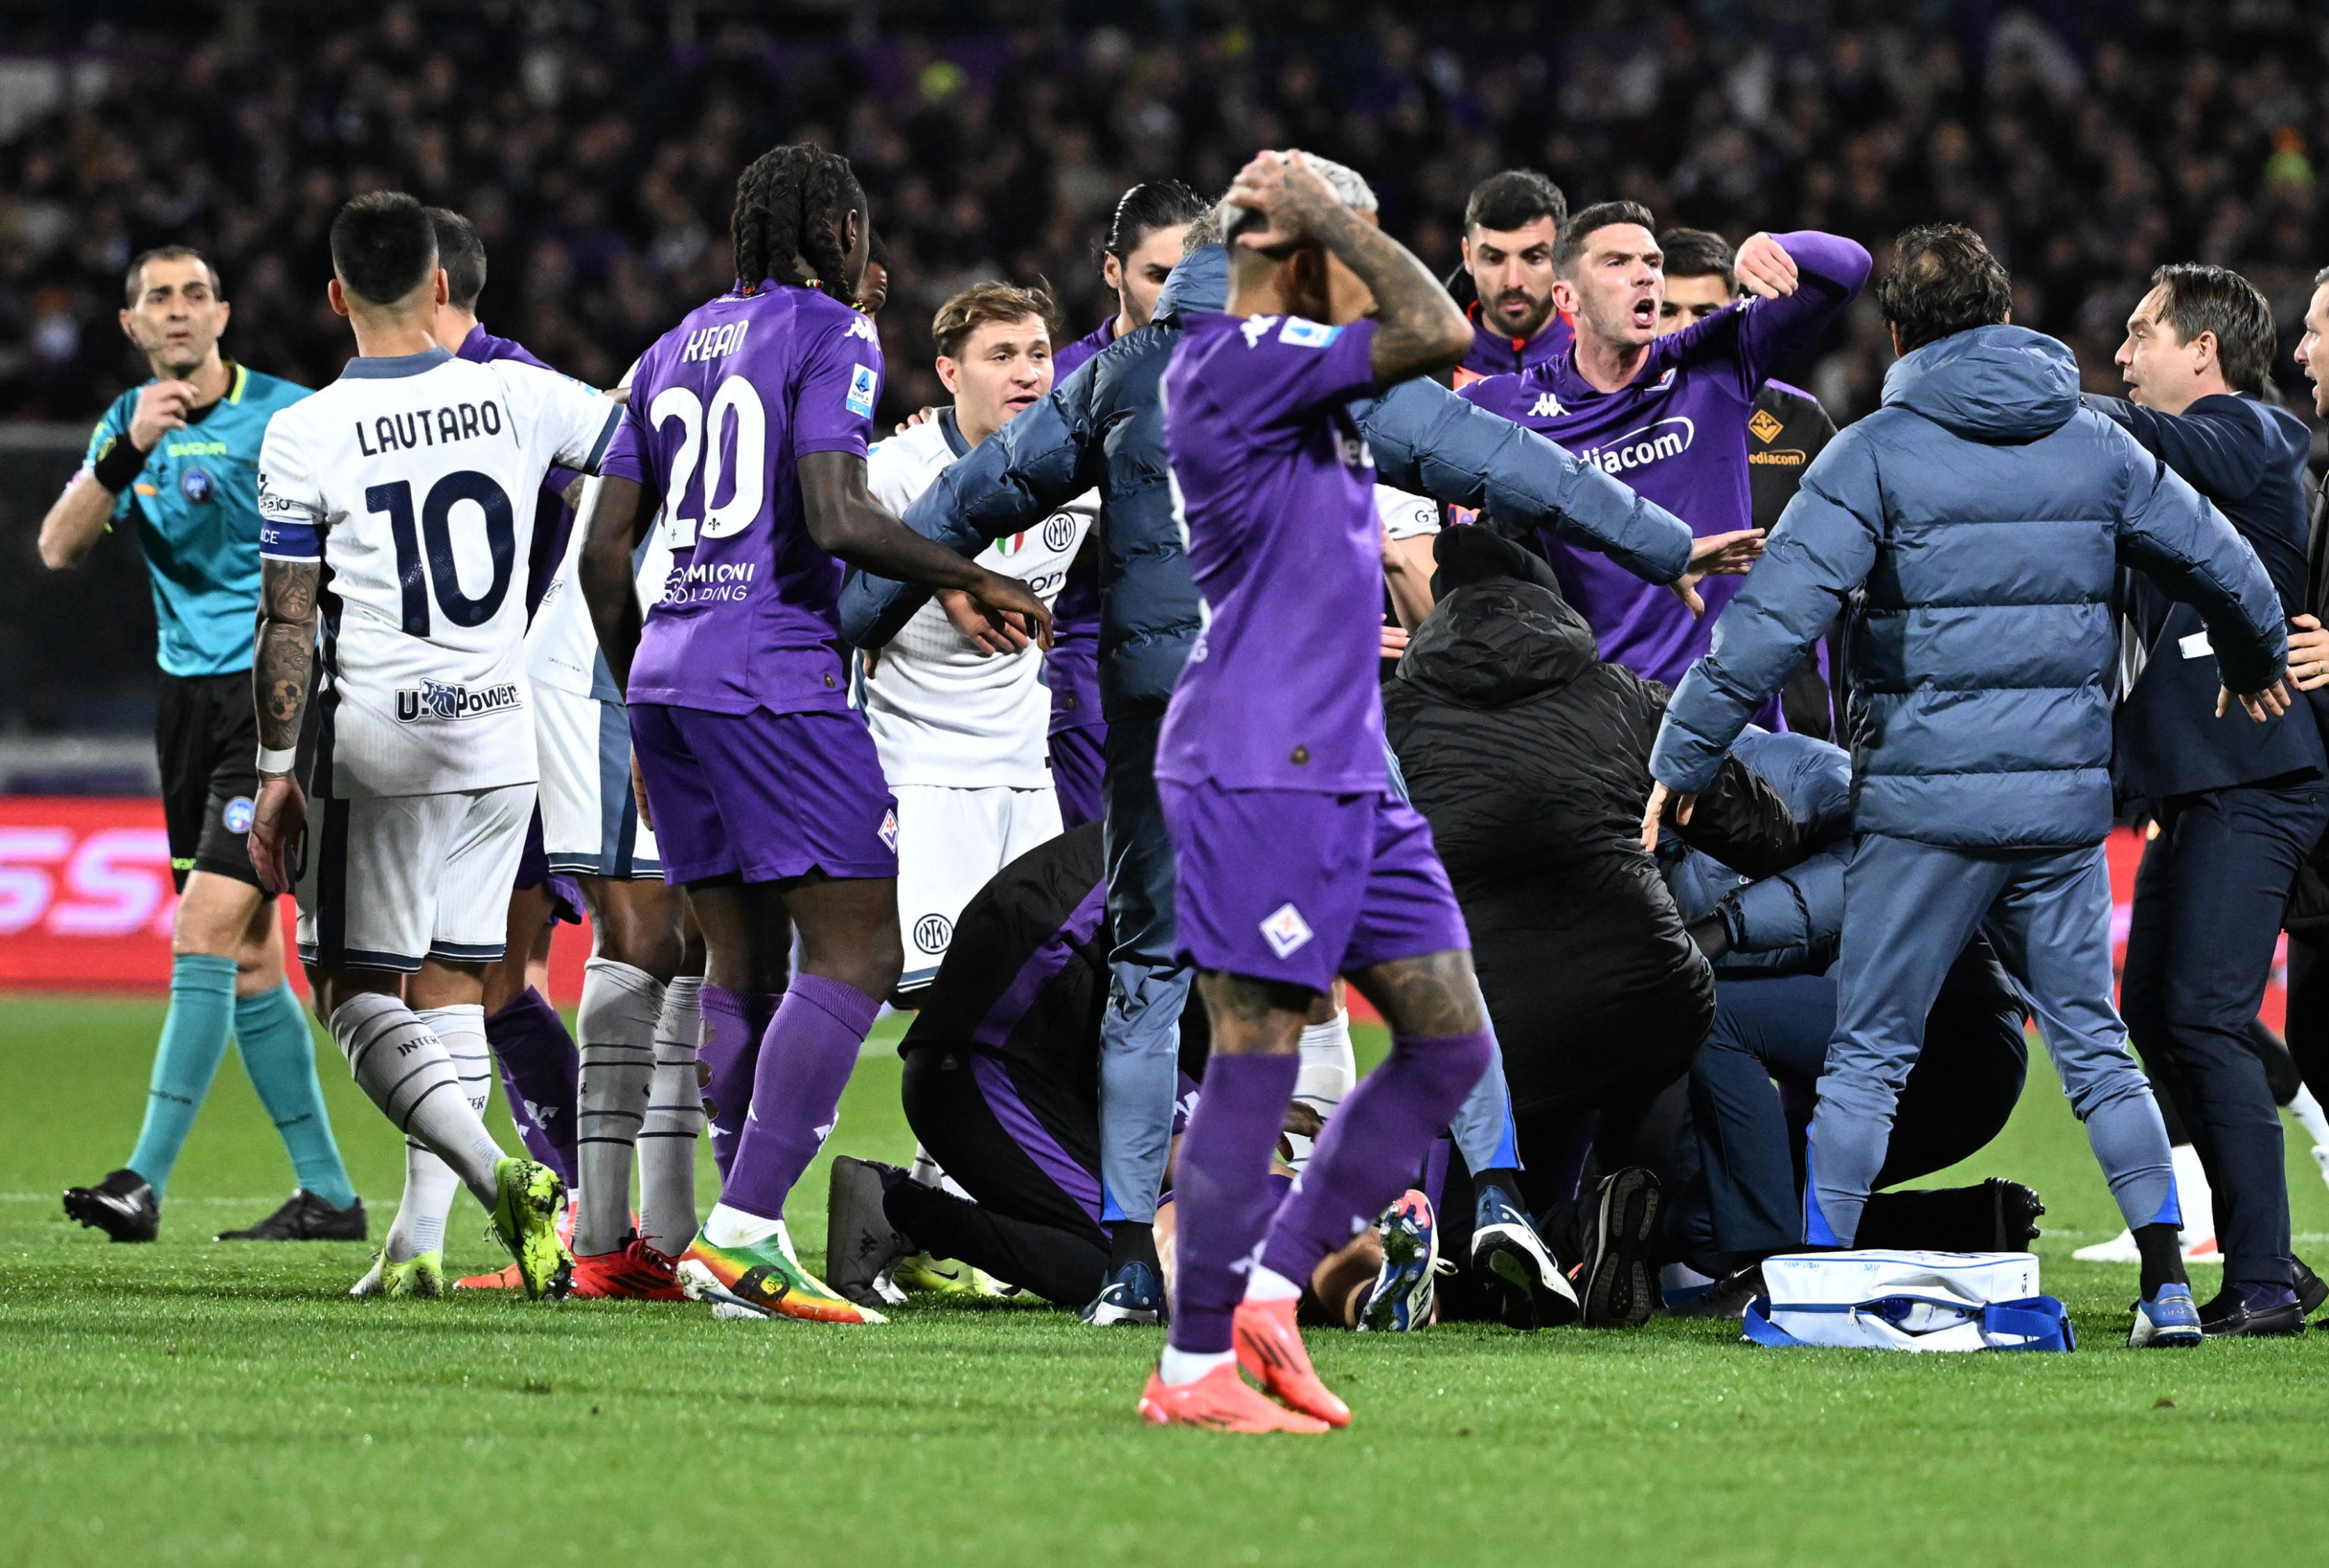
[236, 814]
[196, 485]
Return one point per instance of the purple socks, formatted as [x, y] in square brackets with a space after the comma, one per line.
[733, 1023]
[805, 1060]
[539, 1069]
[1222, 1191]
[1371, 1149]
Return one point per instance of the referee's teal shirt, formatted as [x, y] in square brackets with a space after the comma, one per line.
[197, 508]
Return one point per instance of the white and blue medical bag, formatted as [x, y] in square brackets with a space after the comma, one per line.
[1907, 1300]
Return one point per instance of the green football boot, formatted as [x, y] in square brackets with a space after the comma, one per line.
[528, 1198]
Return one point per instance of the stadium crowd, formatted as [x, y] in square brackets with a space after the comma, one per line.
[594, 148]
[1706, 792]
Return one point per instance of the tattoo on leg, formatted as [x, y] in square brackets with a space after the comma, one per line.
[1433, 995]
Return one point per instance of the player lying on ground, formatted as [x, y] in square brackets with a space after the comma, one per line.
[763, 787]
[1002, 1084]
[399, 479]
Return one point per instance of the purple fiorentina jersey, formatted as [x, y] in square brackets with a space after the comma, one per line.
[723, 406]
[1678, 434]
[1494, 353]
[1068, 358]
[1276, 495]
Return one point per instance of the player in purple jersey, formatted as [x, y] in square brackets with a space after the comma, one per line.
[1667, 415]
[1142, 247]
[747, 426]
[1511, 222]
[1295, 862]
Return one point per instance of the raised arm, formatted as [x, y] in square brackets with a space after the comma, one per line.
[1011, 480]
[282, 671]
[1418, 328]
[1428, 440]
[2172, 534]
[1802, 280]
[847, 523]
[76, 520]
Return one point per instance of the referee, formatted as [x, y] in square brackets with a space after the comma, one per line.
[180, 454]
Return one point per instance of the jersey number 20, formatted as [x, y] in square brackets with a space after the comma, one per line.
[701, 446]
[436, 529]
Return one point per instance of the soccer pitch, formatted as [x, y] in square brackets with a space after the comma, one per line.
[195, 1402]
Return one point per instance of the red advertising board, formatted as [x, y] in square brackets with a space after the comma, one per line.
[85, 902]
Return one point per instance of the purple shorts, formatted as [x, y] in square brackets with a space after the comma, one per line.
[1290, 885]
[764, 796]
[533, 871]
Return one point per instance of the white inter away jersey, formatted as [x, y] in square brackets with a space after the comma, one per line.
[413, 479]
[942, 711]
[561, 645]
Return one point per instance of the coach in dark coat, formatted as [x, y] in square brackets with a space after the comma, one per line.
[2238, 805]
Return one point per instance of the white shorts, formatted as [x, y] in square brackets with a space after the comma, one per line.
[591, 823]
[386, 882]
[949, 842]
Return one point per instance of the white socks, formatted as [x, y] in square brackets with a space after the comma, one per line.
[732, 1227]
[1328, 1070]
[1266, 1284]
[1178, 1366]
[1328, 1067]
[615, 1025]
[674, 1116]
[419, 1227]
[399, 1061]
[2307, 1111]
[2192, 1196]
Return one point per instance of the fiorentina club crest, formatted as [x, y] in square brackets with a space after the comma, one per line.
[1286, 930]
[1764, 425]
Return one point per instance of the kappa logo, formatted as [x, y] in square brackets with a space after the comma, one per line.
[442, 699]
[1547, 406]
[932, 933]
[1764, 425]
[1286, 930]
[1255, 328]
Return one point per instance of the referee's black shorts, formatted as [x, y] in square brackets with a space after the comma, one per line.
[206, 739]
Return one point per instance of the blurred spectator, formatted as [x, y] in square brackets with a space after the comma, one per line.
[597, 148]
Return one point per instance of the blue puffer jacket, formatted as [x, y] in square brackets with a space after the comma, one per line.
[1104, 429]
[1973, 523]
[1790, 922]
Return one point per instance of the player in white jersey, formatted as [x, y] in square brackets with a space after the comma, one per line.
[397, 501]
[958, 706]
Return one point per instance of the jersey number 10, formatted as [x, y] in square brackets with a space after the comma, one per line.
[700, 446]
[436, 529]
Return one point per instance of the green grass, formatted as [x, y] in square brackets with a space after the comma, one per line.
[196, 1402]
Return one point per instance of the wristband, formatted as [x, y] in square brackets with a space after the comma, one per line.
[118, 465]
[278, 761]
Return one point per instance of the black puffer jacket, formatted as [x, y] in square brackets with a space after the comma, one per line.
[1530, 757]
